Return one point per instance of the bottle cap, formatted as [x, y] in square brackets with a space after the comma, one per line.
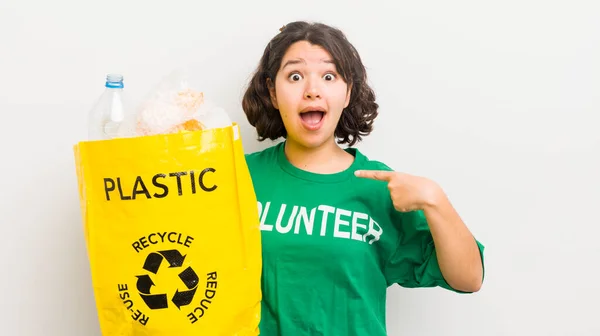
[114, 81]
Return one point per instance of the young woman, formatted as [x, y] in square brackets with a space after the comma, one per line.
[338, 228]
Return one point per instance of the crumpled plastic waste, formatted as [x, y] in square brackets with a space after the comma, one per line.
[174, 106]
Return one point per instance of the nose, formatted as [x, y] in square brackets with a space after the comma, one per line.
[313, 91]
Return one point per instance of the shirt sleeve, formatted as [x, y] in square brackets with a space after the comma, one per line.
[414, 262]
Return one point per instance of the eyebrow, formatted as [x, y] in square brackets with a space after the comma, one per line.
[302, 61]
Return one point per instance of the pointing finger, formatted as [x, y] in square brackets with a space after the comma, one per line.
[380, 175]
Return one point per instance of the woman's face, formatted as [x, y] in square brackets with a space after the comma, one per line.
[310, 95]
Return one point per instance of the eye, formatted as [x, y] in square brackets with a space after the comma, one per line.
[295, 77]
[329, 77]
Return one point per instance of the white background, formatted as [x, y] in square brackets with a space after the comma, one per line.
[496, 101]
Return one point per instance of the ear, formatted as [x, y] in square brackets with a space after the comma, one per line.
[348, 95]
[271, 87]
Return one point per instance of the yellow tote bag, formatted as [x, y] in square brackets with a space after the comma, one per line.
[172, 232]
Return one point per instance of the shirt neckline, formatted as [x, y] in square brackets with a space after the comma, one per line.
[346, 174]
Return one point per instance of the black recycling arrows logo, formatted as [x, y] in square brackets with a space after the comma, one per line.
[160, 301]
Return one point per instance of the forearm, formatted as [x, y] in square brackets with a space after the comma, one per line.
[457, 251]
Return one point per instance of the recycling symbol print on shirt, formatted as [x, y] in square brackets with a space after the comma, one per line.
[154, 265]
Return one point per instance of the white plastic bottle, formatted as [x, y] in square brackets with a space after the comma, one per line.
[110, 110]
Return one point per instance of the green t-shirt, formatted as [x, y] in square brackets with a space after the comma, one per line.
[332, 244]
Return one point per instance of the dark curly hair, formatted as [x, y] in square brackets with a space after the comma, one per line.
[356, 120]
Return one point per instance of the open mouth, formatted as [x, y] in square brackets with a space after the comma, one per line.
[312, 118]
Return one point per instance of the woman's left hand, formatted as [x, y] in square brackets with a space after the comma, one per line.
[408, 192]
